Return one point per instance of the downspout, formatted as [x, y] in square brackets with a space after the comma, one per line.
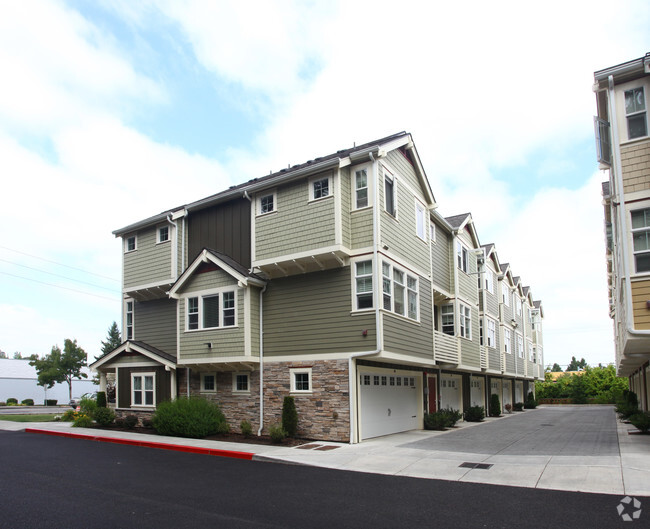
[259, 431]
[376, 298]
[175, 262]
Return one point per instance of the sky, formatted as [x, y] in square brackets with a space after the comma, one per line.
[113, 111]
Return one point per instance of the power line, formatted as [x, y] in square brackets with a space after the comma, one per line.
[60, 264]
[56, 275]
[59, 286]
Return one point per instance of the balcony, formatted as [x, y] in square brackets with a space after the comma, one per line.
[446, 349]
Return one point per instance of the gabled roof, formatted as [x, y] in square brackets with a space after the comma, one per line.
[464, 221]
[538, 305]
[143, 348]
[338, 159]
[491, 253]
[225, 263]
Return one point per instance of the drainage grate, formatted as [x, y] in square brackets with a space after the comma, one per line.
[477, 466]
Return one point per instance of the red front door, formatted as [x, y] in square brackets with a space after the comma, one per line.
[432, 384]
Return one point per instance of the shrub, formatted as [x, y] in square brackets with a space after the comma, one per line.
[131, 421]
[495, 405]
[630, 397]
[28, 402]
[289, 417]
[246, 428]
[51, 402]
[147, 423]
[453, 416]
[3, 403]
[104, 416]
[508, 408]
[626, 409]
[194, 417]
[101, 399]
[435, 421]
[277, 433]
[82, 421]
[518, 406]
[531, 401]
[641, 421]
[12, 401]
[69, 415]
[88, 405]
[475, 414]
[119, 422]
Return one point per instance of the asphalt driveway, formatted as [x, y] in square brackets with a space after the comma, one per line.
[556, 431]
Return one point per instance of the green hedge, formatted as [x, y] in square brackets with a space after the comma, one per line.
[194, 417]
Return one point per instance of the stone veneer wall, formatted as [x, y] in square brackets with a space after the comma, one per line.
[323, 414]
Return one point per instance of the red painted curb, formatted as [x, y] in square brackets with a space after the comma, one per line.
[149, 444]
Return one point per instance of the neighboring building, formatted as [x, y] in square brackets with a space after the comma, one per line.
[623, 147]
[19, 380]
[335, 281]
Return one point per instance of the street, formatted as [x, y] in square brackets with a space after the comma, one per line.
[68, 483]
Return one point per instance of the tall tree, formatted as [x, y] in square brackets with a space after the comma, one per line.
[18, 356]
[3, 354]
[61, 366]
[113, 339]
[556, 368]
[575, 365]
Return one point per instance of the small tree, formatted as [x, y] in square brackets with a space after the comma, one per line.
[495, 405]
[289, 417]
[576, 365]
[61, 366]
[556, 368]
[113, 339]
[18, 355]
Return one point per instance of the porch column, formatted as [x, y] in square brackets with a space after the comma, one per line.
[102, 381]
[173, 383]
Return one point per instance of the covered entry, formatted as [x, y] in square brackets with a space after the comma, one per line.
[390, 401]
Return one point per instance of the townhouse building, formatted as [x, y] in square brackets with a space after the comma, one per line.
[335, 281]
[623, 149]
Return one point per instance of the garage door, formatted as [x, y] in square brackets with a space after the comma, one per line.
[477, 394]
[389, 403]
[451, 392]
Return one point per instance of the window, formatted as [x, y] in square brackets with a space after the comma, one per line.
[400, 291]
[142, 389]
[361, 188]
[491, 333]
[211, 311]
[641, 239]
[520, 345]
[320, 188]
[506, 340]
[518, 305]
[489, 281]
[301, 380]
[447, 319]
[363, 283]
[464, 321]
[209, 382]
[129, 320]
[240, 383]
[267, 203]
[480, 331]
[163, 234]
[462, 257]
[505, 293]
[130, 244]
[531, 354]
[420, 221]
[432, 232]
[389, 195]
[635, 113]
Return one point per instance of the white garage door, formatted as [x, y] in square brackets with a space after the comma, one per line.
[451, 392]
[507, 393]
[389, 403]
[477, 393]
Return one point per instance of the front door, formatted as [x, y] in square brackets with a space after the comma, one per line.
[432, 384]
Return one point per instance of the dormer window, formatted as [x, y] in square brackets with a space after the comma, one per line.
[635, 113]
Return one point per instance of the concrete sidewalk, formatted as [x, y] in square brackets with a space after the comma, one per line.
[625, 471]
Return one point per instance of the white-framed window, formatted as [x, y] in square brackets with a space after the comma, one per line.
[480, 331]
[129, 305]
[489, 281]
[635, 113]
[531, 353]
[301, 380]
[491, 333]
[390, 193]
[432, 232]
[464, 321]
[505, 294]
[641, 239]
[399, 291]
[208, 382]
[143, 391]
[519, 304]
[211, 311]
[506, 341]
[520, 345]
[447, 319]
[267, 203]
[320, 187]
[462, 257]
[241, 383]
[360, 189]
[162, 234]
[420, 220]
[363, 284]
[131, 244]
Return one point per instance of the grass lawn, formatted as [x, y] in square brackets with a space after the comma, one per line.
[29, 418]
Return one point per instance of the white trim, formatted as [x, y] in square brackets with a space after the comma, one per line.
[338, 206]
[354, 293]
[301, 255]
[201, 296]
[353, 184]
[169, 235]
[330, 186]
[126, 243]
[208, 374]
[297, 371]
[234, 383]
[258, 202]
[128, 347]
[248, 322]
[214, 360]
[143, 390]
[125, 328]
[418, 205]
[157, 284]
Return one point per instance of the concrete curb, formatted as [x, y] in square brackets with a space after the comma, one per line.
[148, 444]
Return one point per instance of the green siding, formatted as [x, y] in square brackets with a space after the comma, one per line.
[310, 313]
[469, 349]
[155, 324]
[298, 225]
[441, 260]
[150, 262]
[163, 384]
[408, 338]
[346, 205]
[361, 225]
